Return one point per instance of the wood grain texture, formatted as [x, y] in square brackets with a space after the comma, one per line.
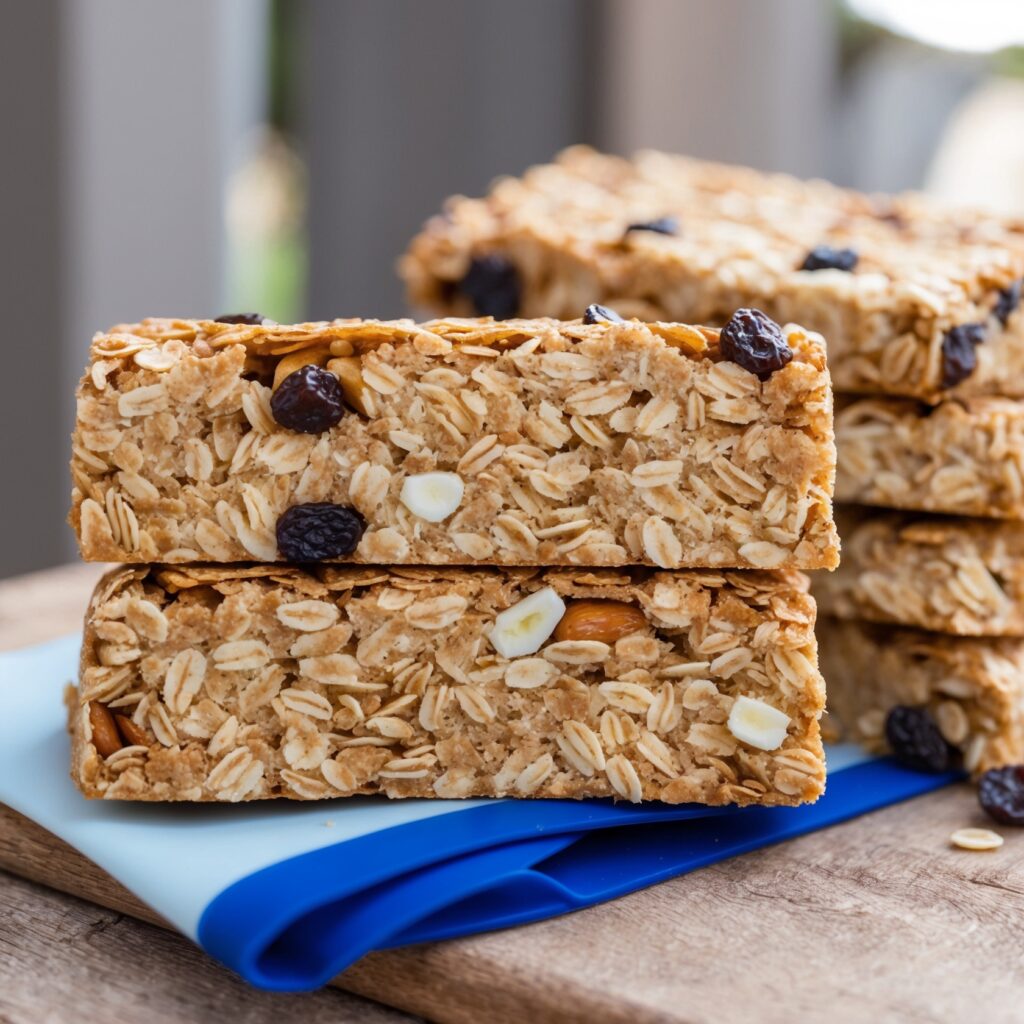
[878, 919]
[101, 966]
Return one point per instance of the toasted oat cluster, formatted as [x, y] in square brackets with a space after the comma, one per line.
[913, 299]
[972, 688]
[525, 442]
[245, 683]
[958, 576]
[963, 457]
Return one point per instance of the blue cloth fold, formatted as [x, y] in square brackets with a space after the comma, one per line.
[288, 895]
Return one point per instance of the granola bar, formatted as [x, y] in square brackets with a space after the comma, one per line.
[962, 457]
[220, 683]
[451, 442]
[913, 299]
[972, 686]
[959, 576]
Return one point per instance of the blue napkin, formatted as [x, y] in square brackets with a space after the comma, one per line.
[290, 894]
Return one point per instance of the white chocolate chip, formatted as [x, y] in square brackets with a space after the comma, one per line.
[976, 839]
[432, 496]
[758, 724]
[524, 627]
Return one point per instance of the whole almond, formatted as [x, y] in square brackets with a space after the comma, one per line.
[132, 734]
[105, 737]
[606, 621]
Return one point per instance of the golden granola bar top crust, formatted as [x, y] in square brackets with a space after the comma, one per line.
[959, 576]
[458, 442]
[720, 237]
[218, 683]
[971, 687]
[963, 457]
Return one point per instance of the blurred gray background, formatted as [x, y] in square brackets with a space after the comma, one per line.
[210, 156]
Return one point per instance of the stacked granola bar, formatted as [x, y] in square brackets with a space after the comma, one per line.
[468, 557]
[923, 634]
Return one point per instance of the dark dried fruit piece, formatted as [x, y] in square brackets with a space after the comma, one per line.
[756, 342]
[1001, 794]
[824, 257]
[105, 737]
[492, 285]
[310, 400]
[958, 356]
[241, 318]
[596, 314]
[319, 530]
[1008, 301]
[915, 740]
[661, 226]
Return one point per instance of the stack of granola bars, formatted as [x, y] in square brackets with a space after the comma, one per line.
[468, 557]
[923, 641]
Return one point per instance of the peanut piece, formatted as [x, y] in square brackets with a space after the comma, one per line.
[104, 732]
[606, 621]
[349, 373]
[130, 732]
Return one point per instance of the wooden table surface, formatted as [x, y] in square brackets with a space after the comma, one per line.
[876, 920]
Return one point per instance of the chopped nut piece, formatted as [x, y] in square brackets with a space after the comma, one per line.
[105, 737]
[757, 723]
[348, 371]
[432, 496]
[130, 732]
[520, 442]
[239, 699]
[523, 628]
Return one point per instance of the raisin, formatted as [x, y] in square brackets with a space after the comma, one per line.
[319, 530]
[241, 318]
[492, 285]
[916, 741]
[1001, 794]
[660, 226]
[595, 314]
[308, 401]
[824, 257]
[756, 342]
[1008, 301]
[958, 356]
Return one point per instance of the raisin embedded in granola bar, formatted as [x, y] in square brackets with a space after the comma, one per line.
[222, 683]
[913, 299]
[950, 575]
[962, 457]
[455, 442]
[972, 687]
